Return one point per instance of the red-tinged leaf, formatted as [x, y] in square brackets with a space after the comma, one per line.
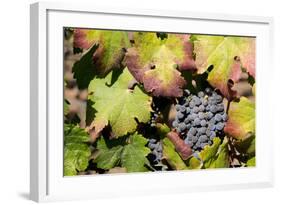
[227, 54]
[109, 53]
[249, 59]
[241, 118]
[183, 149]
[154, 62]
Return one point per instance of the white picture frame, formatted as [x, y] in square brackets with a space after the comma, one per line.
[46, 102]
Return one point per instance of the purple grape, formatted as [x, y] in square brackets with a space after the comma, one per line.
[220, 126]
[182, 109]
[200, 118]
[213, 109]
[201, 115]
[179, 115]
[203, 138]
[196, 122]
[201, 108]
[203, 123]
[202, 130]
[187, 110]
[201, 94]
[195, 109]
[175, 124]
[218, 117]
[177, 107]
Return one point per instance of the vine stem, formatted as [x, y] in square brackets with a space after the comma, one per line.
[228, 105]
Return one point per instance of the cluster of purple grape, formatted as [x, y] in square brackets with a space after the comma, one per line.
[155, 115]
[200, 118]
[156, 149]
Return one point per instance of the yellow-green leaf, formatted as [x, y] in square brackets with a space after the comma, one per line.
[109, 53]
[221, 159]
[76, 150]
[154, 62]
[117, 105]
[172, 157]
[209, 153]
[134, 154]
[251, 162]
[227, 54]
[241, 118]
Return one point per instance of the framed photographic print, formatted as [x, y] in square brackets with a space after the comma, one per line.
[121, 97]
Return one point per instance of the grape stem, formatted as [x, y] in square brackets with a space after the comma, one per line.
[228, 105]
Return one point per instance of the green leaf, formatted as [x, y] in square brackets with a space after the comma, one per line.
[108, 159]
[84, 70]
[172, 157]
[117, 105]
[227, 54]
[109, 153]
[76, 150]
[154, 62]
[134, 154]
[194, 163]
[131, 155]
[241, 118]
[221, 160]
[251, 162]
[74, 134]
[109, 53]
[65, 107]
[209, 152]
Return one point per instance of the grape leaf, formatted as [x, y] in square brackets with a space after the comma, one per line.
[227, 54]
[194, 163]
[251, 162]
[107, 158]
[133, 156]
[209, 152]
[117, 105]
[183, 149]
[74, 134]
[109, 53]
[241, 118]
[153, 62]
[172, 157]
[221, 158]
[76, 150]
[65, 107]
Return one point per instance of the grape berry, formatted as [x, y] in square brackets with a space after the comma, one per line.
[156, 149]
[200, 118]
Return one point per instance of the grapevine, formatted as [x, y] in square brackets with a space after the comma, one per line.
[157, 101]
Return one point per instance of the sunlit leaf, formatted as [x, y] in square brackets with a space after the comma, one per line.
[241, 118]
[172, 157]
[208, 154]
[194, 163]
[221, 159]
[134, 154]
[117, 105]
[227, 54]
[76, 150]
[154, 62]
[251, 162]
[111, 46]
